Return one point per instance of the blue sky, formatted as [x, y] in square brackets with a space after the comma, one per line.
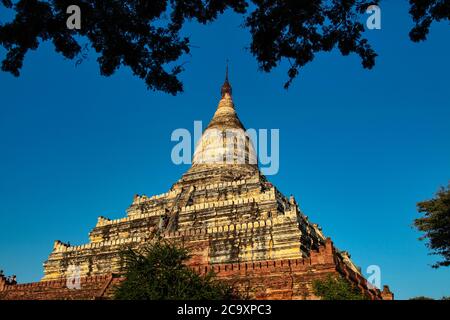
[358, 148]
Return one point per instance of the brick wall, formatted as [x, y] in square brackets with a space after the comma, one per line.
[270, 279]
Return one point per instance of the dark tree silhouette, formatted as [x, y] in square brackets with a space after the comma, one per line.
[296, 30]
[132, 33]
[146, 35]
[424, 12]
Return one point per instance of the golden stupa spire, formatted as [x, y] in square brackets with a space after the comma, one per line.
[226, 87]
[225, 116]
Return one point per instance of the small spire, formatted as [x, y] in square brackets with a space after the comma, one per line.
[226, 87]
[226, 73]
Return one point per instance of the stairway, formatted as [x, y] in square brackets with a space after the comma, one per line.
[181, 201]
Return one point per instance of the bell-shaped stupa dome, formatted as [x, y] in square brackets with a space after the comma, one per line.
[225, 151]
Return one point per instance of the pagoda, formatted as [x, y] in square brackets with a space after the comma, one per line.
[232, 219]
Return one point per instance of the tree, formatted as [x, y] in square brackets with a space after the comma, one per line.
[436, 225]
[428, 298]
[158, 272]
[145, 35]
[336, 288]
[423, 13]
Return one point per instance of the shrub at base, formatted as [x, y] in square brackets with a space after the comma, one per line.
[336, 288]
[158, 272]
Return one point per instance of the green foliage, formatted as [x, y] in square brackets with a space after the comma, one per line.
[158, 272]
[337, 288]
[436, 225]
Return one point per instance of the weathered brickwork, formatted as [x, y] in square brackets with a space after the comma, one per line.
[266, 279]
[231, 218]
